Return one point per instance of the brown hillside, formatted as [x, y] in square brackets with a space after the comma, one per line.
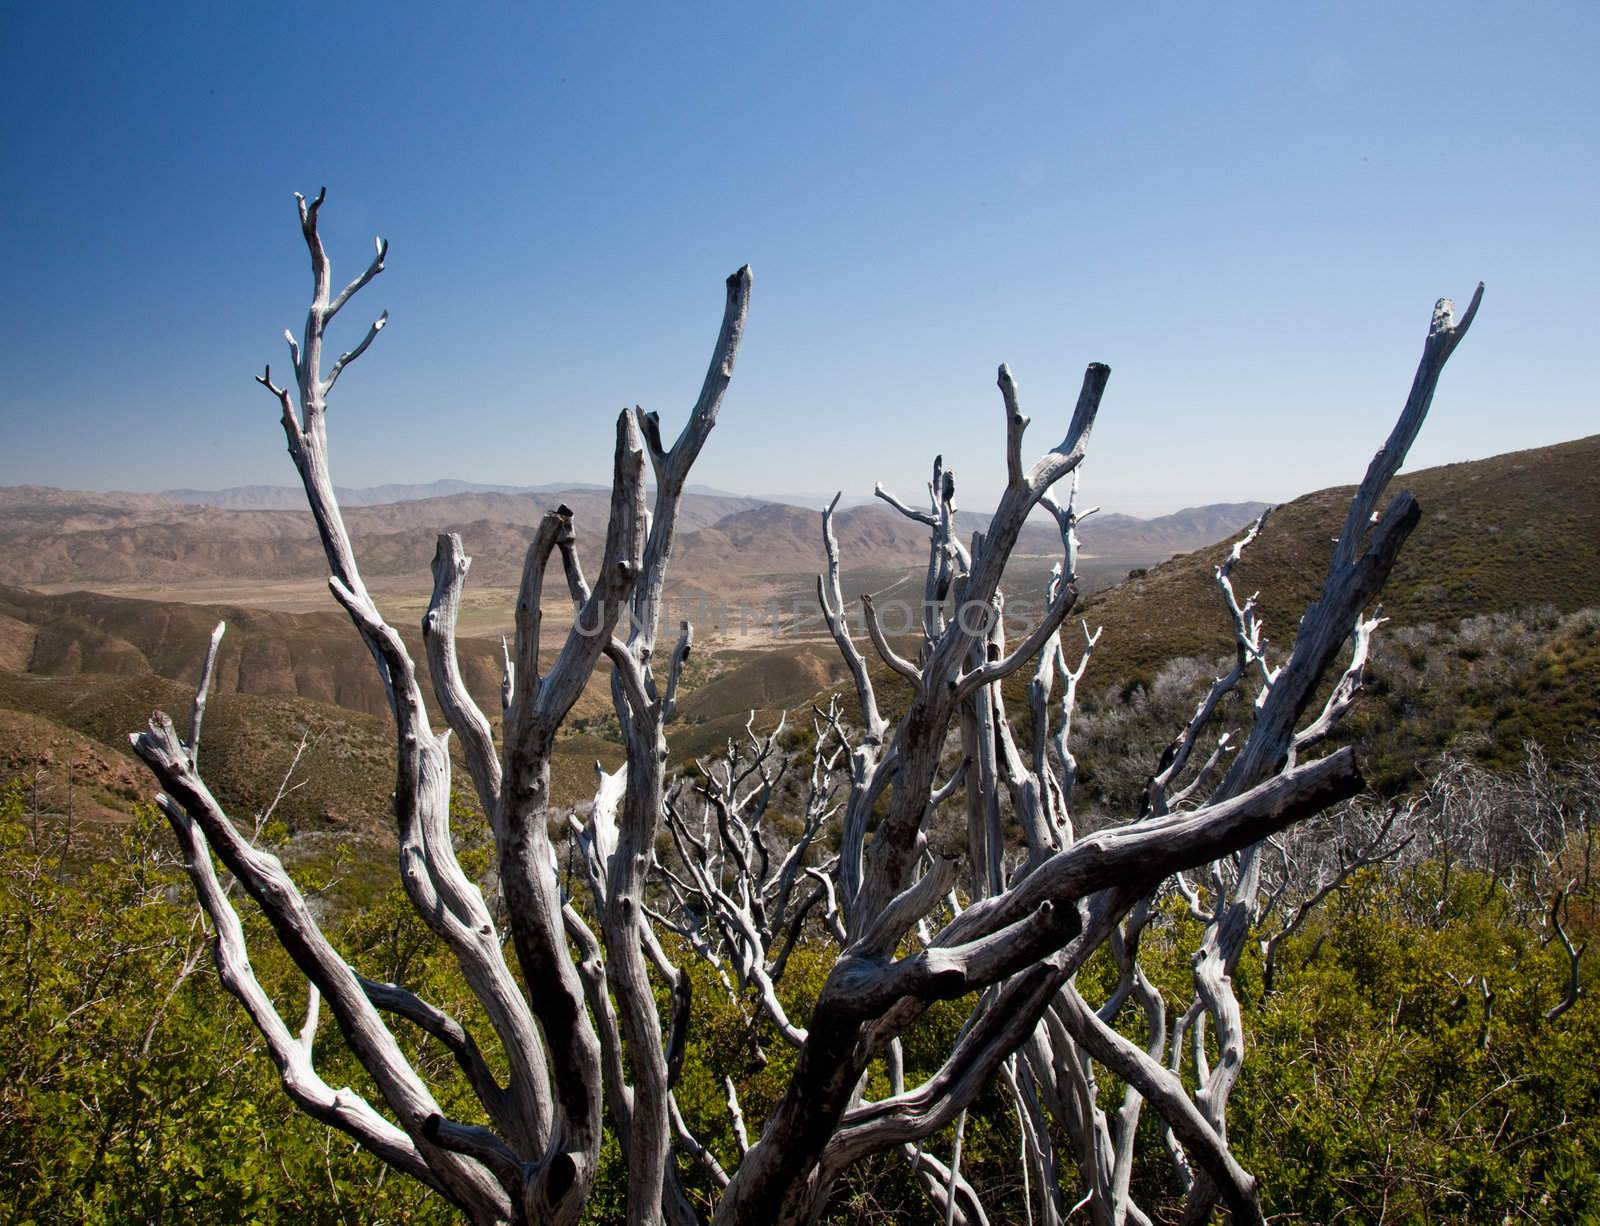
[317, 656]
[767, 682]
[66, 773]
[250, 740]
[1496, 535]
[16, 643]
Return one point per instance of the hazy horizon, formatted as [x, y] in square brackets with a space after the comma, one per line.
[979, 501]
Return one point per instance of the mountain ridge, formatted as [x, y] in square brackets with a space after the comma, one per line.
[62, 539]
[1497, 535]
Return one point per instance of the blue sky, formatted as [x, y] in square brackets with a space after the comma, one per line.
[1246, 211]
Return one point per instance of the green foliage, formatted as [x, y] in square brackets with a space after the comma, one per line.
[132, 1088]
[1375, 1088]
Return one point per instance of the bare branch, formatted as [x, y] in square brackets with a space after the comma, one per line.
[831, 597]
[580, 1028]
[896, 919]
[191, 809]
[890, 657]
[921, 517]
[343, 1109]
[345, 359]
[998, 670]
[201, 692]
[1574, 953]
[680, 655]
[1444, 334]
[1016, 423]
[466, 720]
[1354, 575]
[731, 1096]
[478, 1143]
[1346, 688]
[291, 424]
[1153, 850]
[381, 247]
[392, 998]
[672, 467]
[1134, 1066]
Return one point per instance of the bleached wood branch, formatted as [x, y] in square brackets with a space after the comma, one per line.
[887, 653]
[1063, 733]
[191, 809]
[451, 904]
[343, 1109]
[437, 887]
[1128, 861]
[1345, 689]
[1574, 988]
[1355, 575]
[592, 970]
[373, 269]
[894, 846]
[1248, 653]
[672, 467]
[508, 677]
[913, 1114]
[680, 656]
[640, 817]
[948, 788]
[1444, 334]
[479, 1143]
[1016, 423]
[1061, 603]
[911, 513]
[1361, 561]
[392, 998]
[831, 597]
[202, 691]
[740, 1132]
[345, 359]
[583, 1037]
[910, 905]
[1156, 849]
[863, 984]
[466, 720]
[1206, 1148]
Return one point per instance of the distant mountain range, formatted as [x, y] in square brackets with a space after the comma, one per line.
[61, 538]
[293, 498]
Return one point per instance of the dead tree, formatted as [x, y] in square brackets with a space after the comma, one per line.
[583, 1039]
[1029, 928]
[536, 1157]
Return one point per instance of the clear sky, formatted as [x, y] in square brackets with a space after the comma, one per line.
[1246, 211]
